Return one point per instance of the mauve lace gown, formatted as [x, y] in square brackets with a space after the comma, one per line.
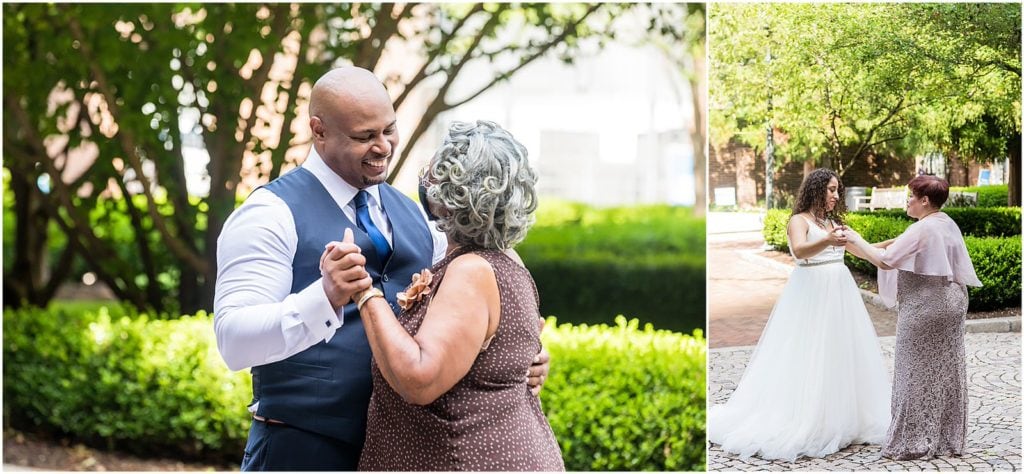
[929, 396]
[489, 421]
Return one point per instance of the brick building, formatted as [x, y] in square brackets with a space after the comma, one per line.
[736, 175]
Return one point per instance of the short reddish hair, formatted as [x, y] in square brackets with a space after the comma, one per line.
[934, 188]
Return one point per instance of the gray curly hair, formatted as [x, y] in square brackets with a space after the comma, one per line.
[481, 176]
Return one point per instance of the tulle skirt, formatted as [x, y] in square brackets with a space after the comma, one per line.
[816, 381]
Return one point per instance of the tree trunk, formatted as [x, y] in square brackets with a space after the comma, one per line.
[956, 170]
[828, 162]
[698, 138]
[17, 283]
[1013, 199]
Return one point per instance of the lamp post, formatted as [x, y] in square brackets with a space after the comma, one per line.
[769, 148]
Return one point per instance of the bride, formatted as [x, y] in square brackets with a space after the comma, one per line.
[816, 381]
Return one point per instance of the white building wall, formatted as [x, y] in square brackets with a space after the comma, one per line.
[611, 129]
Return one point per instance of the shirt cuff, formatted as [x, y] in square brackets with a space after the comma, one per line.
[314, 309]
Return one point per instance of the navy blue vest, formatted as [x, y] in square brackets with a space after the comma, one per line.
[326, 388]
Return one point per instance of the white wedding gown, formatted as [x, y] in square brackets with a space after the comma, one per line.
[816, 381]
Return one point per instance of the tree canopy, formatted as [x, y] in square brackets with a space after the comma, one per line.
[846, 80]
[101, 101]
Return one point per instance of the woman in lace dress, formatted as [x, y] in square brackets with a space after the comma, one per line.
[449, 373]
[816, 381]
[926, 271]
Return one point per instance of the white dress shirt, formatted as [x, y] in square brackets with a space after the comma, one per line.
[257, 318]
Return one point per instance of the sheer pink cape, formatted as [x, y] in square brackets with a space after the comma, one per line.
[931, 246]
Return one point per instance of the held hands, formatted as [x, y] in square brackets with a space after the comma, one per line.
[837, 238]
[342, 267]
[852, 236]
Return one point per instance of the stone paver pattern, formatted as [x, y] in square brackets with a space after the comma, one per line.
[994, 418]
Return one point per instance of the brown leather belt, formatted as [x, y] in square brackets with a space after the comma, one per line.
[269, 421]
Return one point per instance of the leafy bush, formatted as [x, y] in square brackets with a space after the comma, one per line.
[618, 397]
[141, 385]
[624, 398]
[976, 221]
[667, 290]
[628, 231]
[591, 264]
[997, 260]
[774, 230]
[995, 195]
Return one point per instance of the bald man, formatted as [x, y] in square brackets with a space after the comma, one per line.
[293, 322]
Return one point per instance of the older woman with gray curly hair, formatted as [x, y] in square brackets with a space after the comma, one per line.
[449, 372]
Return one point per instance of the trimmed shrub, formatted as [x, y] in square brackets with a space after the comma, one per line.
[626, 399]
[774, 230]
[997, 260]
[873, 227]
[618, 398]
[667, 290]
[973, 221]
[140, 385]
[994, 195]
[592, 264]
[976, 221]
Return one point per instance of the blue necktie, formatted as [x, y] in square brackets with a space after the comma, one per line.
[380, 244]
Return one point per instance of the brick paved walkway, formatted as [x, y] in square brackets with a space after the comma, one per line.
[994, 418]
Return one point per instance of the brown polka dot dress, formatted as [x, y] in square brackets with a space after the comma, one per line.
[489, 421]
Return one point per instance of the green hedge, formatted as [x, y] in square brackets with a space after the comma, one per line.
[619, 398]
[995, 195]
[145, 386]
[997, 260]
[591, 264]
[976, 221]
[664, 290]
[625, 399]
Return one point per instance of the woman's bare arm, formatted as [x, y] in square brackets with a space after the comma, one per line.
[866, 250]
[462, 314]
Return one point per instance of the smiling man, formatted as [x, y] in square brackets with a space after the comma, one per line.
[290, 319]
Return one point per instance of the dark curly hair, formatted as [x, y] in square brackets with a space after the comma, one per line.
[812, 196]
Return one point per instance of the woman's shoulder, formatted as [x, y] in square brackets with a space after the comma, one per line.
[940, 224]
[472, 265]
[801, 218]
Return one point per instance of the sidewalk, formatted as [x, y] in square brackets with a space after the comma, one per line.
[993, 424]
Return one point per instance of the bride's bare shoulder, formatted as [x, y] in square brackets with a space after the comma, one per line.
[800, 219]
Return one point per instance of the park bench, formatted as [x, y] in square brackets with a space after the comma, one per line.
[962, 199]
[882, 198]
[896, 198]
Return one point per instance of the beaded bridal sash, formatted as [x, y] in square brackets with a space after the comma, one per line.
[814, 264]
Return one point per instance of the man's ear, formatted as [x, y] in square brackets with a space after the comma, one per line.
[317, 126]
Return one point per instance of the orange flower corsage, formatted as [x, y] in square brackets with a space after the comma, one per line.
[417, 290]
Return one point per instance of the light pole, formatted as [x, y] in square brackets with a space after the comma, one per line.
[769, 148]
